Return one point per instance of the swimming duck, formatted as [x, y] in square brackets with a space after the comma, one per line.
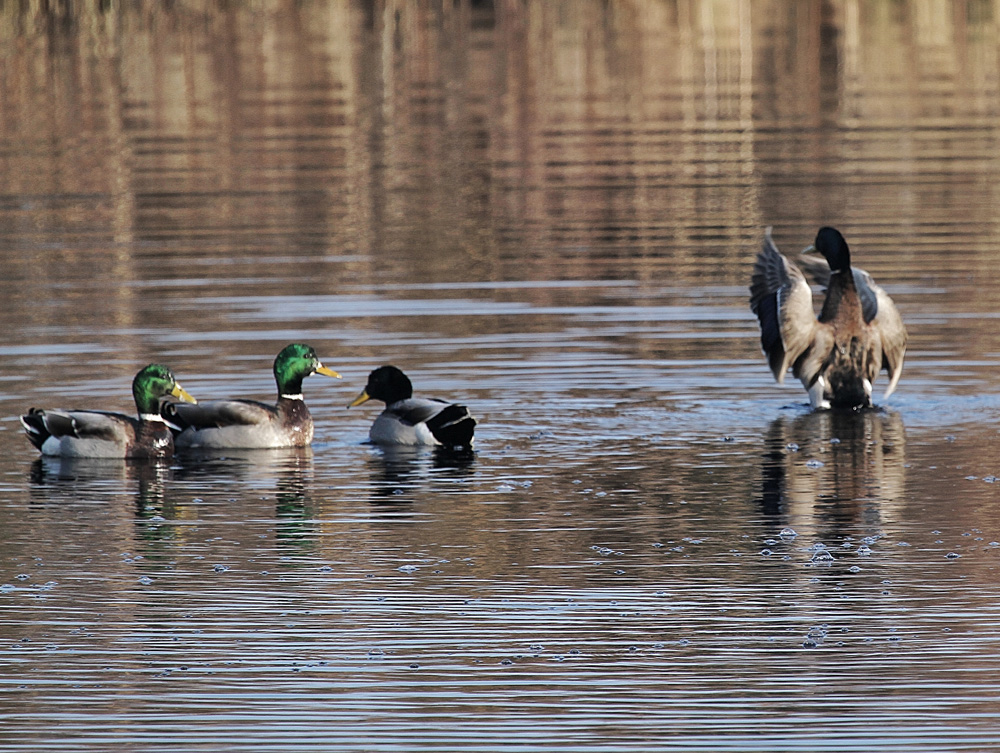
[858, 333]
[409, 420]
[248, 424]
[101, 434]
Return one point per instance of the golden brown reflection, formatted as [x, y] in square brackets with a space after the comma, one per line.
[302, 148]
[827, 471]
[458, 134]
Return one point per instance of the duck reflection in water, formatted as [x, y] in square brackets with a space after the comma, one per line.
[833, 468]
[287, 472]
[65, 479]
[398, 472]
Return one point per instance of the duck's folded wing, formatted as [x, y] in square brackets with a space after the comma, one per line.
[881, 312]
[416, 410]
[782, 300]
[90, 424]
[214, 414]
[448, 423]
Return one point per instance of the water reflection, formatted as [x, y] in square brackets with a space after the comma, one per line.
[831, 469]
[398, 473]
[56, 479]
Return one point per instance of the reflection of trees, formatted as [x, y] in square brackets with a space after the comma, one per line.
[421, 144]
[462, 132]
[829, 469]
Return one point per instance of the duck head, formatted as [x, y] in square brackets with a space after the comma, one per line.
[386, 383]
[293, 364]
[831, 244]
[154, 383]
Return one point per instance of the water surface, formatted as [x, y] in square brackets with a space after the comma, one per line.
[549, 213]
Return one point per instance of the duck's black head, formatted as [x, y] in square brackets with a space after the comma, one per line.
[832, 245]
[386, 383]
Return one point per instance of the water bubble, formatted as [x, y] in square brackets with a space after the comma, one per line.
[326, 569]
[145, 580]
[766, 552]
[506, 662]
[22, 576]
[6, 588]
[407, 568]
[834, 440]
[990, 479]
[822, 558]
[536, 647]
[864, 551]
[221, 568]
[953, 555]
[787, 534]
[792, 447]
[814, 464]
[854, 569]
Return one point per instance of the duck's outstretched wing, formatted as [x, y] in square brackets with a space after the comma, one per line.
[881, 313]
[216, 414]
[782, 300]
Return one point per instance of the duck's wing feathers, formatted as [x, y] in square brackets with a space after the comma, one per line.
[881, 313]
[215, 414]
[80, 424]
[782, 300]
[450, 424]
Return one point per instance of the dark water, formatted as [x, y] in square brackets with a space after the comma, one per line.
[547, 211]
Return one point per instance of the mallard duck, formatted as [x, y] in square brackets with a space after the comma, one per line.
[859, 331]
[100, 434]
[409, 420]
[249, 424]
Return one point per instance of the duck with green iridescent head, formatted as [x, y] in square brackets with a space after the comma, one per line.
[249, 424]
[103, 434]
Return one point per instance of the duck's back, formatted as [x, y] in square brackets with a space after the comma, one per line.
[424, 421]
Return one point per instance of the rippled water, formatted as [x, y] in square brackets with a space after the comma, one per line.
[547, 211]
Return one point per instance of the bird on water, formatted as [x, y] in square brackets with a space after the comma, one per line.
[409, 420]
[859, 332]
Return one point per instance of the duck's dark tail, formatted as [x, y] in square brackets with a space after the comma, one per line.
[453, 426]
[34, 427]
